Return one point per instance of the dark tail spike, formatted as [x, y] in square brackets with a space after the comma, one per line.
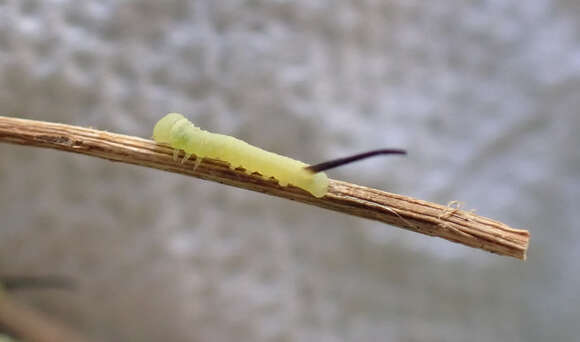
[331, 164]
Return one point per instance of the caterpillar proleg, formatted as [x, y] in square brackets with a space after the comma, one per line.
[178, 132]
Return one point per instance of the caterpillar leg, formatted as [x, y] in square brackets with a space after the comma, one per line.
[185, 157]
[197, 162]
[175, 154]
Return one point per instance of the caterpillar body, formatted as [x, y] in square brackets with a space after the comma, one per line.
[178, 132]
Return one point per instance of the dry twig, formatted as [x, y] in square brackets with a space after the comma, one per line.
[30, 325]
[402, 211]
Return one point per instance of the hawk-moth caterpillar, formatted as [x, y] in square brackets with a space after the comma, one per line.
[179, 133]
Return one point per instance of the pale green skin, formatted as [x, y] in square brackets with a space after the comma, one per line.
[178, 132]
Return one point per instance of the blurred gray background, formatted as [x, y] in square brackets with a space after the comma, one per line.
[483, 94]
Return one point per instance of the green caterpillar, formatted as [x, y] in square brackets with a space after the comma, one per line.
[179, 133]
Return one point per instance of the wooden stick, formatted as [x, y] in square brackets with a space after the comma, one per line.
[420, 216]
[30, 325]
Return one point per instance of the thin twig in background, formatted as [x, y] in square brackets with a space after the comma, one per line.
[420, 216]
[27, 324]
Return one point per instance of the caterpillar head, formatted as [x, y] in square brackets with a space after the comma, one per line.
[162, 130]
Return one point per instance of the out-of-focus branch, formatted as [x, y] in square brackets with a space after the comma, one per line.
[27, 324]
[398, 210]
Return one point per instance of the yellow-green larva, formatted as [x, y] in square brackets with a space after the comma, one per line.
[179, 133]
